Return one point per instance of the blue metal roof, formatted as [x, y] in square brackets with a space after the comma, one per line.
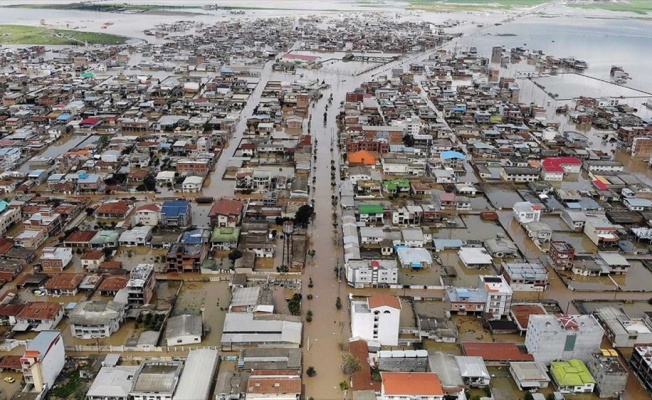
[446, 155]
[174, 208]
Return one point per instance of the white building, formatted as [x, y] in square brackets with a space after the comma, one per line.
[112, 382]
[96, 319]
[136, 236]
[43, 360]
[526, 212]
[183, 329]
[371, 273]
[8, 216]
[562, 337]
[147, 215]
[498, 294]
[376, 319]
[165, 177]
[192, 184]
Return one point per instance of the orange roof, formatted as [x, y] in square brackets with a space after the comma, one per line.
[361, 157]
[361, 380]
[411, 383]
[385, 300]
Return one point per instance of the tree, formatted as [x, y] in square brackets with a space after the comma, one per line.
[350, 364]
[90, 211]
[150, 183]
[550, 396]
[309, 316]
[311, 371]
[408, 140]
[294, 304]
[234, 255]
[528, 396]
[338, 303]
[312, 253]
[344, 385]
[303, 215]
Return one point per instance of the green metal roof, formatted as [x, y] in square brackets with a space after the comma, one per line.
[370, 209]
[225, 235]
[396, 183]
[571, 373]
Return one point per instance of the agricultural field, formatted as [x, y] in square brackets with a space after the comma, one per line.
[22, 34]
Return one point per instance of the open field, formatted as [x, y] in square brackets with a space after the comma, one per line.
[22, 34]
[634, 6]
[472, 5]
[102, 7]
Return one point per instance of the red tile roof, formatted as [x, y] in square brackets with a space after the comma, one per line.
[556, 164]
[81, 236]
[120, 207]
[385, 300]
[113, 283]
[412, 383]
[149, 207]
[226, 207]
[40, 310]
[361, 380]
[64, 281]
[92, 255]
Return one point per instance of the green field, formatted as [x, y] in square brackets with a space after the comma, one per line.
[102, 7]
[472, 5]
[634, 6]
[23, 34]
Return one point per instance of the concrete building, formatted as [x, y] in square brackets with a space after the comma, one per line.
[136, 236]
[43, 360]
[526, 212]
[529, 277]
[140, 287]
[376, 319]
[529, 375]
[498, 296]
[371, 273]
[411, 385]
[572, 376]
[473, 371]
[403, 360]
[147, 215]
[55, 259]
[641, 364]
[156, 380]
[96, 319]
[562, 337]
[621, 329]
[609, 373]
[601, 232]
[269, 358]
[183, 329]
[112, 382]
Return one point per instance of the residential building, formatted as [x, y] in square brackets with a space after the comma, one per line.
[603, 166]
[192, 184]
[641, 364]
[182, 257]
[96, 319]
[183, 329]
[402, 360]
[498, 295]
[91, 260]
[529, 375]
[175, 213]
[8, 216]
[136, 236]
[621, 329]
[371, 273]
[273, 384]
[609, 372]
[140, 288]
[46, 220]
[572, 376]
[562, 337]
[147, 215]
[198, 376]
[118, 209]
[376, 319]
[526, 212]
[226, 213]
[112, 382]
[225, 238]
[414, 258]
[370, 213]
[43, 360]
[473, 371]
[555, 168]
[637, 204]
[466, 301]
[526, 276]
[562, 254]
[38, 315]
[601, 232]
[30, 239]
[520, 174]
[55, 259]
[411, 385]
[63, 284]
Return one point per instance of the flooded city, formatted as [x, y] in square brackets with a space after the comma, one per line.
[357, 199]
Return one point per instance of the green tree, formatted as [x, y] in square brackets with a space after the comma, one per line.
[311, 371]
[344, 385]
[338, 303]
[350, 364]
[234, 255]
[528, 396]
[550, 396]
[303, 215]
